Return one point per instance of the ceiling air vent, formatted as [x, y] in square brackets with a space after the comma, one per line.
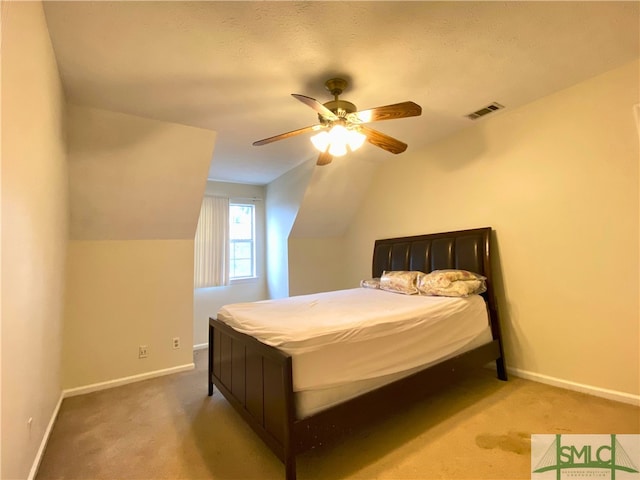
[484, 111]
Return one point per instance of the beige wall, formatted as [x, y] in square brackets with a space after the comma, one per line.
[34, 234]
[333, 196]
[317, 265]
[558, 181]
[316, 245]
[284, 196]
[134, 182]
[134, 178]
[136, 187]
[123, 294]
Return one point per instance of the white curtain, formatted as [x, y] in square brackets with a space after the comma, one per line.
[212, 244]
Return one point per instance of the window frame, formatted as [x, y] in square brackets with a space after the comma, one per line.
[254, 275]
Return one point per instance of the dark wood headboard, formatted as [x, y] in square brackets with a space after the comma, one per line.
[463, 249]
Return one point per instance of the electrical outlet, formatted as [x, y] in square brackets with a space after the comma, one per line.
[143, 351]
[176, 343]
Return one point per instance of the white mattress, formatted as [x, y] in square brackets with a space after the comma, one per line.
[336, 338]
[309, 402]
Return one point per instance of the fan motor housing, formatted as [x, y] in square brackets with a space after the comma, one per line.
[341, 107]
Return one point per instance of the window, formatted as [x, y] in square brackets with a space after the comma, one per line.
[225, 242]
[242, 241]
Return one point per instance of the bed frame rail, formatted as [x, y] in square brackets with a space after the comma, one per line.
[343, 418]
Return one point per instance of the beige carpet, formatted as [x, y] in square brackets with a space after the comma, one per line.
[168, 428]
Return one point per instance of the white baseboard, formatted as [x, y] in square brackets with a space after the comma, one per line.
[201, 346]
[578, 387]
[45, 439]
[72, 392]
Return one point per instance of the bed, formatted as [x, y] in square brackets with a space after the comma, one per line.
[272, 377]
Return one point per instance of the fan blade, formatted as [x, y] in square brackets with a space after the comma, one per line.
[311, 128]
[316, 105]
[388, 112]
[383, 141]
[324, 159]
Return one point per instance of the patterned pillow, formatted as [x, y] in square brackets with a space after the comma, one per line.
[400, 281]
[451, 283]
[370, 283]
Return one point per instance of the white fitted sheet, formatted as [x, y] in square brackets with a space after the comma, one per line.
[335, 338]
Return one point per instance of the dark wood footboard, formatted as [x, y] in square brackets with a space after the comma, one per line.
[258, 382]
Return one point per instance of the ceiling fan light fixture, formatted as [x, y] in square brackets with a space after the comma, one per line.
[337, 149]
[337, 140]
[356, 139]
[321, 141]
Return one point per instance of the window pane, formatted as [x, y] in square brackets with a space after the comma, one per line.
[242, 249]
[241, 268]
[241, 220]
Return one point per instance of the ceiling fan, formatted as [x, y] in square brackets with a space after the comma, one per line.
[342, 128]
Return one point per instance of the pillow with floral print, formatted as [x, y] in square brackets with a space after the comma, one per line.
[370, 283]
[451, 283]
[400, 281]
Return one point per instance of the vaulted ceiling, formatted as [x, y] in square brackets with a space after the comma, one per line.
[231, 66]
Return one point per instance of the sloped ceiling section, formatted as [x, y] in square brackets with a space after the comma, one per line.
[333, 197]
[131, 178]
[230, 67]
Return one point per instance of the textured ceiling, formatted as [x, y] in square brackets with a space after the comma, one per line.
[231, 66]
